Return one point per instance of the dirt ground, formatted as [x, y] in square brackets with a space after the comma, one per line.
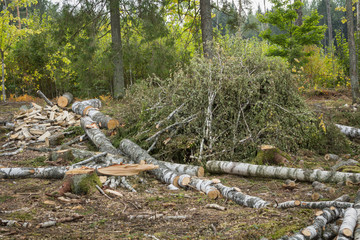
[24, 200]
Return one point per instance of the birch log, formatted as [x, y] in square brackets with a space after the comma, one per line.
[308, 175]
[163, 173]
[240, 198]
[82, 107]
[349, 131]
[97, 136]
[184, 168]
[314, 205]
[357, 208]
[315, 231]
[28, 172]
[65, 99]
[330, 232]
[348, 225]
[205, 186]
[44, 97]
[90, 108]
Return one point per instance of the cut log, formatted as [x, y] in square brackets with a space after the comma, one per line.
[240, 198]
[308, 175]
[348, 225]
[314, 205]
[215, 206]
[357, 208]
[343, 198]
[331, 157]
[205, 186]
[269, 154]
[137, 154]
[315, 231]
[340, 164]
[97, 136]
[44, 97]
[82, 107]
[65, 100]
[349, 131]
[28, 172]
[184, 168]
[330, 232]
[102, 120]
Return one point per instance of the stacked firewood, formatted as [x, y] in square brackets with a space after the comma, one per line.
[40, 123]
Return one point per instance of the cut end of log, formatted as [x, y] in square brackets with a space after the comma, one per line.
[175, 182]
[297, 203]
[185, 181]
[213, 194]
[201, 172]
[306, 232]
[112, 124]
[62, 102]
[84, 113]
[347, 232]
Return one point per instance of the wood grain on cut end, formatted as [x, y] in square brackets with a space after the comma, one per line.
[347, 232]
[175, 181]
[213, 194]
[185, 181]
[201, 172]
[86, 109]
[112, 124]
[306, 232]
[62, 102]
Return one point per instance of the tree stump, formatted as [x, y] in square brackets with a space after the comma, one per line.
[269, 154]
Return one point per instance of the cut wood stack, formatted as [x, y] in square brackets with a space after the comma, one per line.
[40, 123]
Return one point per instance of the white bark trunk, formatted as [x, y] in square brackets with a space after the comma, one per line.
[65, 100]
[357, 208]
[349, 131]
[240, 198]
[205, 186]
[348, 225]
[314, 205]
[307, 175]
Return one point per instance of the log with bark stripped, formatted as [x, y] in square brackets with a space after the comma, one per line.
[349, 131]
[163, 173]
[97, 136]
[240, 198]
[314, 205]
[206, 186]
[245, 169]
[347, 227]
[65, 99]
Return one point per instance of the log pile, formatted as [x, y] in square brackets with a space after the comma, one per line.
[41, 124]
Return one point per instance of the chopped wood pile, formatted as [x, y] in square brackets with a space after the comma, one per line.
[40, 123]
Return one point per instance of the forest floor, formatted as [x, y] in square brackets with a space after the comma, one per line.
[24, 200]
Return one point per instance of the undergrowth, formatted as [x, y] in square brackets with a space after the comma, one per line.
[227, 107]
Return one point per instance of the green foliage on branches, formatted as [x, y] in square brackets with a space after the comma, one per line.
[255, 102]
[290, 42]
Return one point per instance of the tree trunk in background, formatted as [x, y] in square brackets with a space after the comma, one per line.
[299, 20]
[206, 27]
[352, 53]
[118, 80]
[3, 75]
[357, 16]
[328, 13]
[240, 18]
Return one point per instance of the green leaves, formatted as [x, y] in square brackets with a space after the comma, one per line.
[291, 39]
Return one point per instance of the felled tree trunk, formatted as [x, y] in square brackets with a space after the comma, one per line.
[82, 107]
[163, 173]
[45, 98]
[315, 231]
[331, 157]
[240, 198]
[205, 186]
[87, 108]
[103, 161]
[357, 208]
[314, 205]
[307, 175]
[349, 131]
[65, 100]
[271, 155]
[330, 232]
[348, 225]
[184, 168]
[97, 136]
[28, 172]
